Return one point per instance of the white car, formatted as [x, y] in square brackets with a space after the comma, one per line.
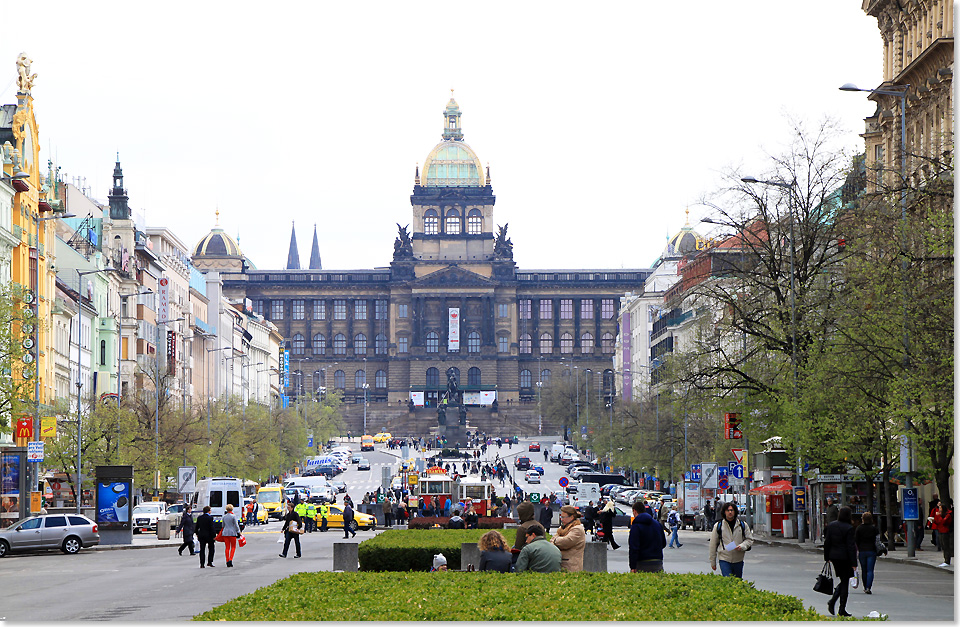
[146, 515]
[532, 476]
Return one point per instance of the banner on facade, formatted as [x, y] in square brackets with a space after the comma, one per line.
[453, 336]
[417, 398]
[471, 398]
[487, 398]
[171, 351]
[163, 308]
[285, 367]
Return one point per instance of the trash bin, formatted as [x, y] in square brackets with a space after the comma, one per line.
[163, 529]
[790, 525]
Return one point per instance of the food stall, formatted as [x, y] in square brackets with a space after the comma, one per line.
[775, 506]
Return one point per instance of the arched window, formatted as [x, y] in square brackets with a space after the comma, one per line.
[607, 381]
[586, 344]
[452, 223]
[545, 376]
[526, 343]
[525, 379]
[381, 379]
[473, 342]
[431, 222]
[433, 377]
[319, 344]
[606, 343]
[433, 342]
[566, 344]
[474, 222]
[456, 374]
[503, 344]
[339, 380]
[473, 376]
[360, 344]
[339, 344]
[380, 344]
[359, 378]
[298, 345]
[546, 344]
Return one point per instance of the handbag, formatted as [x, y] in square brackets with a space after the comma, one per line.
[824, 583]
[881, 547]
[219, 537]
[855, 582]
[242, 541]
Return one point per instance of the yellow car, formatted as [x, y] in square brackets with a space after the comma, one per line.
[270, 498]
[335, 519]
[382, 437]
[263, 515]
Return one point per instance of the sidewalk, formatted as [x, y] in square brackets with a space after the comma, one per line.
[929, 557]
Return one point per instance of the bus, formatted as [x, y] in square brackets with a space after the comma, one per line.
[366, 443]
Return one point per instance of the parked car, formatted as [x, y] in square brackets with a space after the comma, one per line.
[67, 532]
[534, 447]
[538, 468]
[355, 458]
[146, 515]
[360, 520]
[532, 476]
[339, 485]
[174, 514]
[363, 464]
[262, 515]
[522, 463]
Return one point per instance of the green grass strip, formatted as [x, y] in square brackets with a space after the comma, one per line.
[420, 596]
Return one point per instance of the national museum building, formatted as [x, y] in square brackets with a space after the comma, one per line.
[451, 301]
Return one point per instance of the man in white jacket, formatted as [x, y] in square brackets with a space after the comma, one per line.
[730, 539]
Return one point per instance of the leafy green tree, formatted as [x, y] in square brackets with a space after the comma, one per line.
[16, 392]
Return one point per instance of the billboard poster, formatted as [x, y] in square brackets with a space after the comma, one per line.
[171, 350]
[113, 504]
[471, 398]
[163, 311]
[285, 367]
[417, 398]
[453, 336]
[10, 468]
[487, 398]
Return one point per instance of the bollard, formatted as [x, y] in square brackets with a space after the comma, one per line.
[346, 556]
[469, 554]
[163, 529]
[595, 557]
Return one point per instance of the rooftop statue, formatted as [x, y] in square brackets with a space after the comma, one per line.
[25, 79]
[503, 247]
[402, 246]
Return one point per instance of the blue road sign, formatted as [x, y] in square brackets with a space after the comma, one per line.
[738, 471]
[310, 441]
[687, 476]
[722, 471]
[694, 472]
[730, 466]
[564, 482]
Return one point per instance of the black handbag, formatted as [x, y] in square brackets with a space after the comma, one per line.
[881, 547]
[824, 583]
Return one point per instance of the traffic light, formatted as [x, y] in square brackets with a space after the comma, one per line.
[731, 430]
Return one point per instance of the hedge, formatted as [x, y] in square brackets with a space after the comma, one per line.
[400, 550]
[485, 522]
[490, 596]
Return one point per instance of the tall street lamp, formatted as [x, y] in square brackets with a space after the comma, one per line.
[906, 447]
[156, 388]
[366, 386]
[801, 520]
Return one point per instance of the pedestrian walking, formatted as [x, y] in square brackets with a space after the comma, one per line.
[230, 533]
[324, 514]
[292, 528]
[186, 529]
[865, 537]
[348, 521]
[206, 535]
[932, 509]
[646, 541]
[730, 539]
[570, 539]
[840, 549]
[943, 521]
[387, 507]
[709, 514]
[256, 512]
[249, 510]
[401, 512]
[606, 521]
[673, 521]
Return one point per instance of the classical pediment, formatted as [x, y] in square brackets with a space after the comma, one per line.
[453, 276]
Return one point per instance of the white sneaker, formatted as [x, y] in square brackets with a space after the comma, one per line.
[942, 565]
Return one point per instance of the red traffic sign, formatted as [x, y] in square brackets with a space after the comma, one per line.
[722, 483]
[737, 454]
[564, 482]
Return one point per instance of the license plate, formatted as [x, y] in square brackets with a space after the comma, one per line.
[143, 521]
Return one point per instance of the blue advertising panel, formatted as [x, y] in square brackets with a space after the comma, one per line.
[799, 499]
[9, 489]
[911, 504]
[113, 504]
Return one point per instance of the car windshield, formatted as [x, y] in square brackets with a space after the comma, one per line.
[268, 496]
[146, 509]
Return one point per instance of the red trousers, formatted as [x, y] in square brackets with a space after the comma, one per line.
[230, 546]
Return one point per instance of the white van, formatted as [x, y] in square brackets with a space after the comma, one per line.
[217, 492]
[586, 492]
[556, 451]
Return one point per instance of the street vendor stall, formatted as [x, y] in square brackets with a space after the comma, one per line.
[771, 514]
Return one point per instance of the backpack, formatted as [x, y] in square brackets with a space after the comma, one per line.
[673, 519]
[743, 532]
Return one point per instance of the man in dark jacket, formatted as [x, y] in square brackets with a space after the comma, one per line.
[840, 549]
[455, 521]
[646, 541]
[525, 514]
[292, 527]
[546, 516]
[348, 521]
[186, 527]
[206, 535]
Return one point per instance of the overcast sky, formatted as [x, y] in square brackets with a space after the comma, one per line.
[600, 125]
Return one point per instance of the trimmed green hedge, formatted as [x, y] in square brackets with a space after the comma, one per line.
[490, 596]
[484, 522]
[399, 550]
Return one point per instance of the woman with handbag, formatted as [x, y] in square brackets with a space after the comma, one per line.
[840, 549]
[230, 533]
[866, 537]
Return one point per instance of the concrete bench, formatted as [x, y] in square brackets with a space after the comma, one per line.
[346, 556]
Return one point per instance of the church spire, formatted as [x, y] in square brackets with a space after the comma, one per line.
[293, 257]
[119, 210]
[315, 253]
[451, 121]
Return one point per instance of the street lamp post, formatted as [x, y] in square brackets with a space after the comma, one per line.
[366, 386]
[156, 389]
[906, 447]
[801, 519]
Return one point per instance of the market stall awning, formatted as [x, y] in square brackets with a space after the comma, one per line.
[777, 487]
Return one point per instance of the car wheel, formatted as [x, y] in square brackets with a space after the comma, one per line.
[4, 548]
[353, 525]
[71, 545]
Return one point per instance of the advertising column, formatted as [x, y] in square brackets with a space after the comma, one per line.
[115, 504]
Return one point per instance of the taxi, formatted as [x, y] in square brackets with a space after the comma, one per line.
[360, 520]
[382, 437]
[270, 497]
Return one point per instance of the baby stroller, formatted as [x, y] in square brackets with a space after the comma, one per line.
[596, 532]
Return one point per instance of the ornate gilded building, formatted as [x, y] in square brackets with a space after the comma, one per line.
[451, 302]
